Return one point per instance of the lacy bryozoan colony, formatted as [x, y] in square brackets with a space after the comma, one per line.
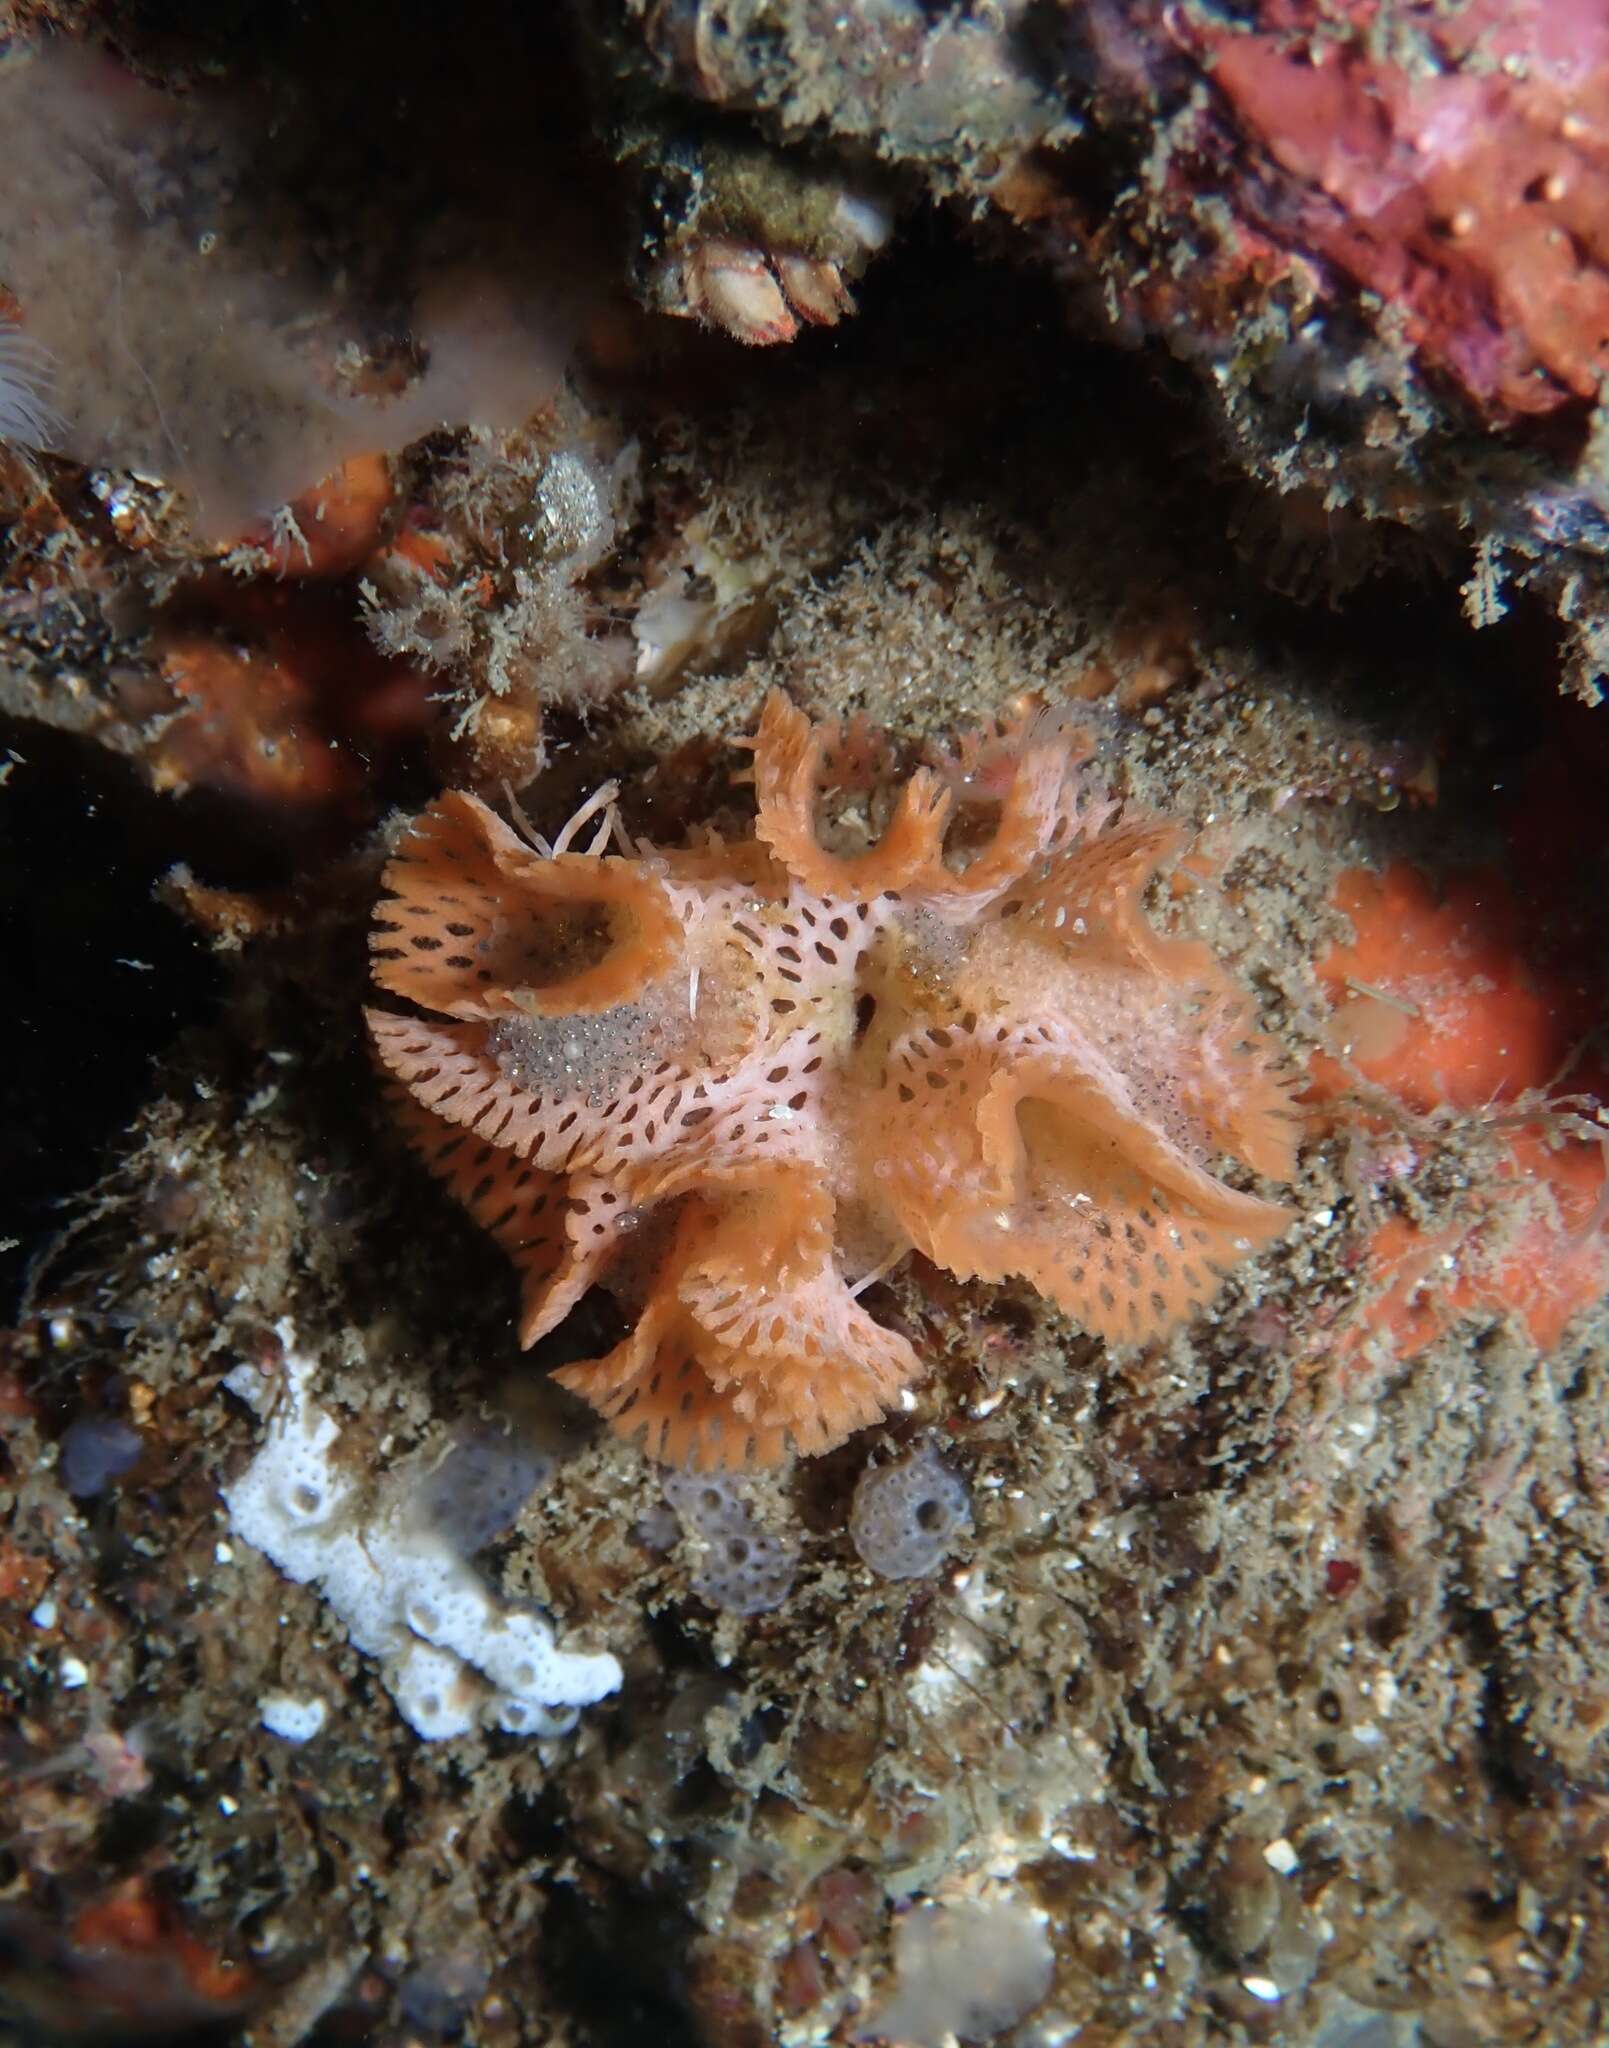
[738, 1082]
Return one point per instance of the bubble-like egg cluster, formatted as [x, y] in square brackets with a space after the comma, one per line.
[588, 1055]
[746, 1569]
[905, 1516]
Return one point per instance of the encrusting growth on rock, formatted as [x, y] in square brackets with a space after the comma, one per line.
[740, 1081]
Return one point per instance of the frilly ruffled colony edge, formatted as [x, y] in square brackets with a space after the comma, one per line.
[737, 1082]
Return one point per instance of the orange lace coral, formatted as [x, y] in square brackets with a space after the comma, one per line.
[740, 1081]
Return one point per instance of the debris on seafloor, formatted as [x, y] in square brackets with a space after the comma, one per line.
[968, 1971]
[1237, 1674]
[484, 587]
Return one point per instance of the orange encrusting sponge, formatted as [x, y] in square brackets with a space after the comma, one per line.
[1437, 999]
[739, 1083]
[1441, 1001]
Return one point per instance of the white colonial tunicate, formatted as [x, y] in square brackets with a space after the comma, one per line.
[452, 1653]
[435, 1692]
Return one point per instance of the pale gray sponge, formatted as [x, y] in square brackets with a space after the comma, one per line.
[905, 1516]
[477, 1490]
[95, 1451]
[746, 1569]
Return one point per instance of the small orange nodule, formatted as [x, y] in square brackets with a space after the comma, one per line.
[130, 1922]
[22, 1576]
[333, 527]
[128, 1918]
[422, 549]
[213, 1976]
[281, 698]
[249, 725]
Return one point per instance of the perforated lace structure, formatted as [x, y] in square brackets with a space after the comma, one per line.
[740, 1081]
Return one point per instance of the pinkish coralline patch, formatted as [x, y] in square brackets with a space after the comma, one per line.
[1462, 174]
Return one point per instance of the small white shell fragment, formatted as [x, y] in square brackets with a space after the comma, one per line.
[291, 1719]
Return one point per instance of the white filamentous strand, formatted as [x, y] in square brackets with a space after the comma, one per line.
[877, 1273]
[600, 800]
[26, 375]
[532, 836]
